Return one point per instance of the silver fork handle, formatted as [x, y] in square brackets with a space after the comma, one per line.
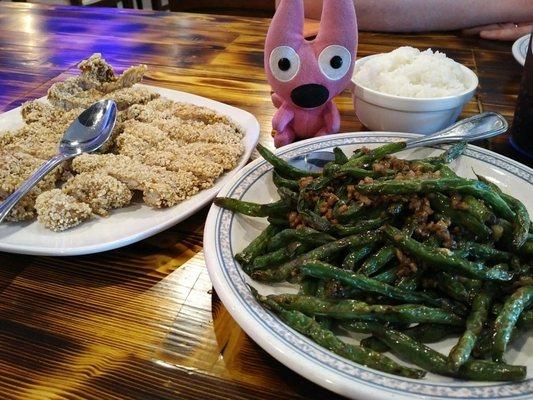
[481, 126]
[28, 184]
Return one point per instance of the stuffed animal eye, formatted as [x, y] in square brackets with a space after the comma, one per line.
[334, 62]
[284, 63]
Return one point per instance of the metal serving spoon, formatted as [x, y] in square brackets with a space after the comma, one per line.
[86, 134]
[481, 126]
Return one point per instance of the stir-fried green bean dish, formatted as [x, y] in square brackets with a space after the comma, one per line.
[404, 251]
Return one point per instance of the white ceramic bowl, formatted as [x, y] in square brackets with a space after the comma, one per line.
[385, 112]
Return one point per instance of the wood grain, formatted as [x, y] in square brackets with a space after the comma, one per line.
[256, 8]
[143, 322]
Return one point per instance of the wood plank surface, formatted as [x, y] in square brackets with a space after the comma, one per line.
[143, 322]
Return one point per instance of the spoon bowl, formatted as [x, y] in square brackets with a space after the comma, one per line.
[86, 134]
[90, 130]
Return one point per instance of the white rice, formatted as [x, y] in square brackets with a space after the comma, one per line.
[408, 72]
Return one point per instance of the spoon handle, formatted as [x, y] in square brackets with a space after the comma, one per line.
[28, 184]
[480, 126]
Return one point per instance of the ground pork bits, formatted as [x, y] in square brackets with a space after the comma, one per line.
[353, 194]
[295, 220]
[420, 207]
[440, 229]
[422, 210]
[304, 182]
[326, 205]
[407, 266]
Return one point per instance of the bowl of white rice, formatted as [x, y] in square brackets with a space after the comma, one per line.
[408, 90]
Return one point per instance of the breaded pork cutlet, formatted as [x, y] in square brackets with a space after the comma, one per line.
[184, 130]
[204, 170]
[127, 97]
[143, 141]
[100, 191]
[226, 155]
[166, 109]
[191, 131]
[176, 119]
[145, 112]
[47, 115]
[45, 126]
[40, 136]
[43, 122]
[98, 74]
[167, 150]
[191, 112]
[24, 210]
[58, 211]
[16, 168]
[151, 146]
[160, 187]
[96, 81]
[124, 97]
[39, 143]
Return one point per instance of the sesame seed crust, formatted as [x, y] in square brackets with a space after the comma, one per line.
[58, 211]
[166, 150]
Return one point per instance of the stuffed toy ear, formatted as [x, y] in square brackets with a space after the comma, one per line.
[338, 24]
[286, 28]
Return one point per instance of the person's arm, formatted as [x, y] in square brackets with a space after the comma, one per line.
[502, 31]
[431, 15]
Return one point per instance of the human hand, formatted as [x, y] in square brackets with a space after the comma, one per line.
[507, 31]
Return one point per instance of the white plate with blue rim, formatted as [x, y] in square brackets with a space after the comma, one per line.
[227, 233]
[520, 49]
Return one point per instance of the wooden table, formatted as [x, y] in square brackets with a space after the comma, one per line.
[143, 321]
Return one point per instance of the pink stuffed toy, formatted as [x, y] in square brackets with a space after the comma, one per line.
[306, 75]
